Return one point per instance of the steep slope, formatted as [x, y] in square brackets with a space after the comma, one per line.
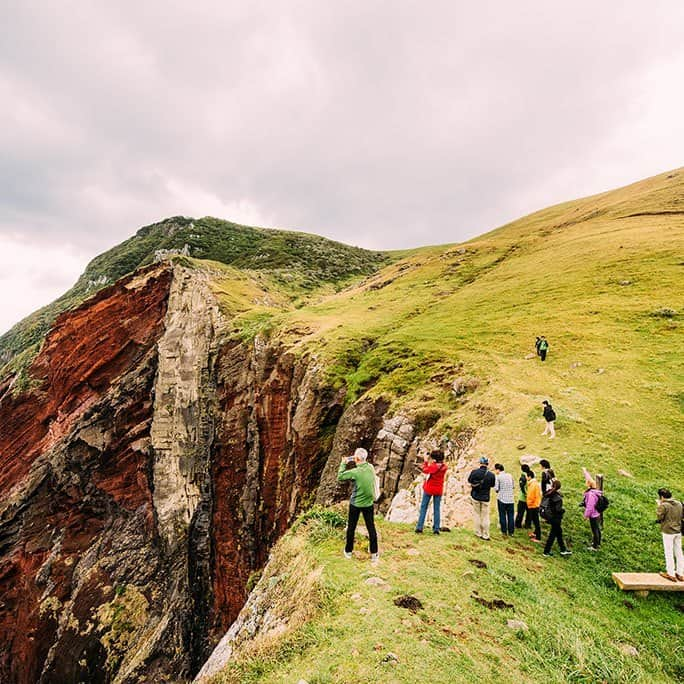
[171, 427]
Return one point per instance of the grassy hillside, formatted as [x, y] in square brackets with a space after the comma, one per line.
[577, 626]
[603, 279]
[298, 262]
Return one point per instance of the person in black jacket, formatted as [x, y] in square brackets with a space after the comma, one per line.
[552, 505]
[481, 481]
[549, 417]
[547, 475]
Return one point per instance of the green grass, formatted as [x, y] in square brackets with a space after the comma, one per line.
[594, 276]
[578, 621]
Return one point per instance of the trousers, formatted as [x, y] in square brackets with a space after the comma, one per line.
[354, 513]
[481, 518]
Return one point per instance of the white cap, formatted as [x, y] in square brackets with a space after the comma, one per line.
[361, 454]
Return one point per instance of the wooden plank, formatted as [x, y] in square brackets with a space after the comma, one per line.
[645, 581]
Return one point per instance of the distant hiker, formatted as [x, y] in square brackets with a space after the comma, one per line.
[552, 511]
[522, 499]
[361, 501]
[534, 497]
[590, 502]
[543, 348]
[433, 488]
[481, 482]
[547, 475]
[536, 344]
[504, 501]
[550, 417]
[671, 518]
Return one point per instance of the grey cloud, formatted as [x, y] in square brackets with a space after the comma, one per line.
[381, 124]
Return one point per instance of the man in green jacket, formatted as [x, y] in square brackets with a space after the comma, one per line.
[361, 502]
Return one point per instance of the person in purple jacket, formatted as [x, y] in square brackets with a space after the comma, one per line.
[591, 497]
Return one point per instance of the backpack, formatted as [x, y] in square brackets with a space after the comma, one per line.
[545, 510]
[552, 415]
[602, 503]
[377, 491]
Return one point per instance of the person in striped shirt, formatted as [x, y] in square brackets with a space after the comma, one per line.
[505, 501]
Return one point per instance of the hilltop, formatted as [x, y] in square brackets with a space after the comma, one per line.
[200, 383]
[299, 263]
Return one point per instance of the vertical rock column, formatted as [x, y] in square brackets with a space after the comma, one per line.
[182, 427]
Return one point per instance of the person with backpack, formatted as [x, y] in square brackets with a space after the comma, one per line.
[552, 511]
[522, 499]
[671, 518]
[433, 488]
[550, 417]
[547, 475]
[505, 502]
[534, 497]
[362, 474]
[543, 348]
[594, 503]
[536, 344]
[481, 481]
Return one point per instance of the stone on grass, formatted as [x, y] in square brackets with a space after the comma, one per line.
[625, 473]
[517, 625]
[529, 459]
[629, 650]
[377, 582]
[391, 658]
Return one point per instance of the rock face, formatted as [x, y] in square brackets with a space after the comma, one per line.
[143, 479]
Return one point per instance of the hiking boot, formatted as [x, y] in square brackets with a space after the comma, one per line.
[435, 531]
[348, 555]
[566, 553]
[672, 578]
[419, 531]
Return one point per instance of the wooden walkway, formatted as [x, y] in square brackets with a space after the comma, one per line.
[643, 582]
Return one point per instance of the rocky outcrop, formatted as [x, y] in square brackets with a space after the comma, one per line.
[145, 477]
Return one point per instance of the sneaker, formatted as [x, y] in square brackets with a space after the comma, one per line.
[591, 548]
[548, 555]
[566, 553]
[419, 531]
[672, 578]
[435, 531]
[485, 538]
[535, 540]
[679, 577]
[348, 555]
[375, 558]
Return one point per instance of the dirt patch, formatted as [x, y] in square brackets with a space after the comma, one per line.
[680, 607]
[629, 604]
[477, 563]
[494, 604]
[410, 602]
[459, 547]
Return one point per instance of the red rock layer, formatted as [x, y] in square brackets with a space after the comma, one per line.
[93, 417]
[85, 350]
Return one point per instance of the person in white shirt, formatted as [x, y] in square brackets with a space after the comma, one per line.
[505, 501]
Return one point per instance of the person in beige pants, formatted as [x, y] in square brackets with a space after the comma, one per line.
[481, 481]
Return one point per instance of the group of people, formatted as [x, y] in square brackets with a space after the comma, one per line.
[537, 500]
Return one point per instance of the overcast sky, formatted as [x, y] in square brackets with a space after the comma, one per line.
[381, 124]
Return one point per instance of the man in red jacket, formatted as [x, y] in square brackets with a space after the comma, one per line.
[433, 488]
